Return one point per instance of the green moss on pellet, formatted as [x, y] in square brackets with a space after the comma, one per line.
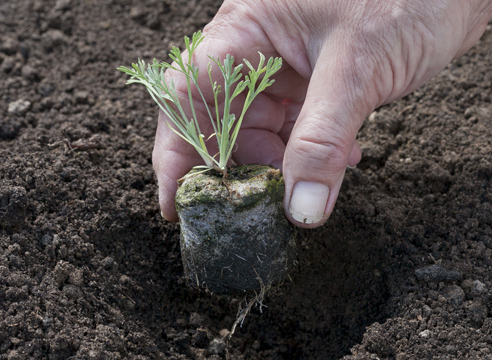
[210, 186]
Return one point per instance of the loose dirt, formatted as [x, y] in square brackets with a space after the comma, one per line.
[89, 270]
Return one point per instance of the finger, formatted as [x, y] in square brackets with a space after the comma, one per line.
[323, 138]
[258, 141]
[355, 156]
[258, 146]
[292, 111]
[172, 158]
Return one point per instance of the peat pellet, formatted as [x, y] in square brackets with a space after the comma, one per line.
[234, 235]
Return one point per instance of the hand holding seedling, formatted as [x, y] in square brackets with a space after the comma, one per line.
[342, 59]
[234, 238]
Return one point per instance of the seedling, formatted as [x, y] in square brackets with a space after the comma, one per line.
[225, 127]
[235, 239]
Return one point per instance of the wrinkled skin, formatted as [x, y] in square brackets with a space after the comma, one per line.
[342, 59]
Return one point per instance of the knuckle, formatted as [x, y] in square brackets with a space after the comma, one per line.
[326, 152]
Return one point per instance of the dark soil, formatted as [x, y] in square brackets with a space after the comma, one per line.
[89, 270]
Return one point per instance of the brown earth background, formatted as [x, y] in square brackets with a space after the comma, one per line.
[89, 270]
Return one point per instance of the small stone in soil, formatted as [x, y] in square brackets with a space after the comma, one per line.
[425, 334]
[224, 333]
[19, 107]
[217, 346]
[436, 273]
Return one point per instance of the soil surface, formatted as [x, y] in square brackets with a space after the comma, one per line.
[89, 270]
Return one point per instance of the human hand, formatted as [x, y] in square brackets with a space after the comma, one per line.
[342, 59]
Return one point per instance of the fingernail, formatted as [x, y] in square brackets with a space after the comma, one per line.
[162, 214]
[308, 201]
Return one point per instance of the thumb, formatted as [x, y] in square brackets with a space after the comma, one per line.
[322, 142]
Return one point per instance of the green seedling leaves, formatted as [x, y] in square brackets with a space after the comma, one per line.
[226, 128]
